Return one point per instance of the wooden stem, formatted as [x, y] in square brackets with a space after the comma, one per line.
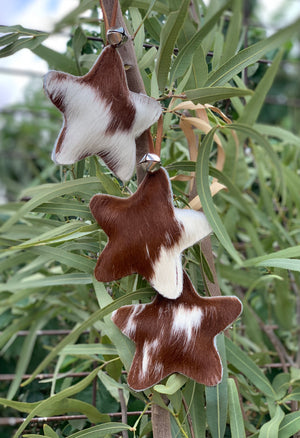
[134, 78]
[160, 417]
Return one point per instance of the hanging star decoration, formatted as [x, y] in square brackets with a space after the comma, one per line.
[176, 336]
[101, 116]
[147, 234]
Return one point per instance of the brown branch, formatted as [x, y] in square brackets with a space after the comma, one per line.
[134, 78]
[123, 411]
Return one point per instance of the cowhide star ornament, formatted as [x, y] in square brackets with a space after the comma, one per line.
[101, 116]
[176, 336]
[147, 234]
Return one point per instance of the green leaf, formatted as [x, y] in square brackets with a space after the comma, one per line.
[253, 107]
[233, 31]
[96, 316]
[237, 428]
[203, 190]
[48, 431]
[66, 405]
[289, 425]
[186, 54]
[72, 17]
[270, 429]
[250, 55]
[293, 251]
[51, 191]
[290, 264]
[79, 40]
[89, 349]
[103, 430]
[173, 384]
[56, 60]
[52, 401]
[277, 132]
[22, 43]
[168, 37]
[194, 397]
[245, 365]
[294, 395]
[217, 397]
[211, 95]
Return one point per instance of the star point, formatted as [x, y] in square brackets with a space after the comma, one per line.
[147, 234]
[176, 336]
[101, 116]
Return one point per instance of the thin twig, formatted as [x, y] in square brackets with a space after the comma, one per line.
[123, 411]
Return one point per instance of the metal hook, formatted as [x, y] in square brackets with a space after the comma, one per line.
[150, 162]
[116, 36]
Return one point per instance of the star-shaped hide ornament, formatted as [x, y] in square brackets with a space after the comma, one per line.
[176, 336]
[147, 234]
[101, 116]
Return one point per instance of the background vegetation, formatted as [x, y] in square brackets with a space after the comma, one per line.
[49, 241]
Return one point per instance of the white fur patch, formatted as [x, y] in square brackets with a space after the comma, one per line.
[86, 120]
[130, 328]
[185, 320]
[148, 353]
[148, 111]
[167, 278]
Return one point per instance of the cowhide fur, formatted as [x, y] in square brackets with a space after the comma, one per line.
[147, 234]
[176, 336]
[101, 116]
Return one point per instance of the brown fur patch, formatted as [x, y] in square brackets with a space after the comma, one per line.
[162, 343]
[137, 227]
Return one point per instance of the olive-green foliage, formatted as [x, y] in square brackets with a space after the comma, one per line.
[49, 241]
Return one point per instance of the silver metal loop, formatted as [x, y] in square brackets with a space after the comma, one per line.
[150, 162]
[116, 36]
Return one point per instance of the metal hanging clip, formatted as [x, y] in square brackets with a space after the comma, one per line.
[116, 36]
[150, 162]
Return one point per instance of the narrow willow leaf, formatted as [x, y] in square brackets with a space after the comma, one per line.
[78, 41]
[211, 95]
[61, 407]
[51, 191]
[173, 384]
[22, 43]
[96, 316]
[159, 6]
[233, 32]
[25, 354]
[264, 143]
[277, 132]
[186, 54]
[65, 209]
[294, 395]
[194, 397]
[270, 429]
[123, 344]
[8, 39]
[253, 107]
[237, 428]
[168, 37]
[290, 264]
[245, 365]
[136, 21]
[48, 431]
[289, 425]
[83, 264]
[293, 251]
[103, 430]
[72, 17]
[250, 55]
[89, 349]
[56, 60]
[52, 401]
[148, 59]
[203, 189]
[217, 397]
